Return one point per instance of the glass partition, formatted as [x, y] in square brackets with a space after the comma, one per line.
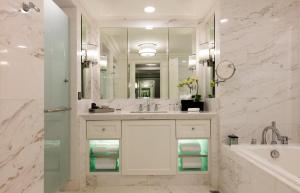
[57, 115]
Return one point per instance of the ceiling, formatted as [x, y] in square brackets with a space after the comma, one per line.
[133, 10]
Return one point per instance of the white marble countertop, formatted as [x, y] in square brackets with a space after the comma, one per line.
[147, 116]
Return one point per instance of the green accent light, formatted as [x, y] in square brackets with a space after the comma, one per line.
[113, 155]
[203, 154]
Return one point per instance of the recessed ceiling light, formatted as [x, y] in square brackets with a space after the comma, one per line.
[149, 27]
[3, 51]
[225, 20]
[149, 9]
[22, 46]
[3, 63]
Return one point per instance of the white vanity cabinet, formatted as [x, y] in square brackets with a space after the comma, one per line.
[149, 147]
[176, 144]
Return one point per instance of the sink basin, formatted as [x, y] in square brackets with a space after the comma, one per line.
[149, 112]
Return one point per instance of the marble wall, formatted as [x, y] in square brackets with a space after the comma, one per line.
[21, 98]
[262, 38]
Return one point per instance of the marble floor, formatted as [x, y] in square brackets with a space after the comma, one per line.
[148, 189]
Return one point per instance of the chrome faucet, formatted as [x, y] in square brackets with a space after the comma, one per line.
[275, 134]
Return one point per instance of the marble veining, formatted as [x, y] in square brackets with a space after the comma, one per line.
[21, 99]
[262, 39]
[21, 158]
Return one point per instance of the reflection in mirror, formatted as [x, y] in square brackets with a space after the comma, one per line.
[147, 80]
[113, 63]
[85, 63]
[148, 63]
[137, 62]
[183, 60]
[210, 47]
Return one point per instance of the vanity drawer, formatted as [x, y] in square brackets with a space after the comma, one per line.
[193, 129]
[103, 129]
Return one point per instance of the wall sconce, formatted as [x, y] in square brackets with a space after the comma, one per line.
[203, 54]
[192, 62]
[89, 53]
[103, 61]
[206, 53]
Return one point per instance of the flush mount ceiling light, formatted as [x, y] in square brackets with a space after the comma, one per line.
[224, 20]
[4, 63]
[149, 9]
[147, 49]
[149, 27]
[3, 51]
[22, 46]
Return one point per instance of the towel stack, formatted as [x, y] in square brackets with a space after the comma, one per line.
[105, 163]
[191, 149]
[105, 157]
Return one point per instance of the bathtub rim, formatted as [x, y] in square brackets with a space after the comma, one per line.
[277, 172]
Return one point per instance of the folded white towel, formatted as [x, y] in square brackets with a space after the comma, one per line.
[193, 109]
[105, 149]
[105, 163]
[190, 148]
[191, 163]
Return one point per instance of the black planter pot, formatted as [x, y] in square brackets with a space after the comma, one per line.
[186, 104]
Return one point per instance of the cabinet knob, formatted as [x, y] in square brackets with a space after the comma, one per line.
[193, 128]
[103, 129]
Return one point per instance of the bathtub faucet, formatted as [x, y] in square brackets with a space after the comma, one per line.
[275, 134]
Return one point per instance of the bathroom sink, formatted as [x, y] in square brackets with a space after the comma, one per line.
[148, 111]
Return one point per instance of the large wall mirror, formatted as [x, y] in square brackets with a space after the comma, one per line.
[138, 63]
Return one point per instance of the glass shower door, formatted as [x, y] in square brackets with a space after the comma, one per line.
[57, 105]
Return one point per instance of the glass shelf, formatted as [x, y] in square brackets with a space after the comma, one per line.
[104, 155]
[192, 155]
[194, 158]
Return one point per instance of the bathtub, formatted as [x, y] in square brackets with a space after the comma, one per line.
[280, 175]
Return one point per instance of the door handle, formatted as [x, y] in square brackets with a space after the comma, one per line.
[60, 109]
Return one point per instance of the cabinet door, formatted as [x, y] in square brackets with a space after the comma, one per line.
[148, 147]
